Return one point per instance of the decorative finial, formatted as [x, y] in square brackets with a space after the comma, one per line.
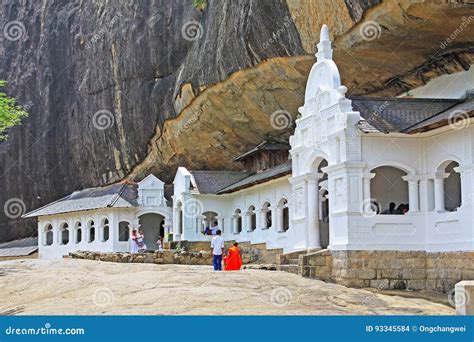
[324, 45]
[324, 35]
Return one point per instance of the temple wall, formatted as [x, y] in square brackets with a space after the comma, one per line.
[412, 270]
[226, 206]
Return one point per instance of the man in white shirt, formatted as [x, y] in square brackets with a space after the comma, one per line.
[217, 246]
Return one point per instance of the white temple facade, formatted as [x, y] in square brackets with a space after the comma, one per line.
[347, 161]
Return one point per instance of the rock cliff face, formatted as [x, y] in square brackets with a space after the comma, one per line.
[119, 89]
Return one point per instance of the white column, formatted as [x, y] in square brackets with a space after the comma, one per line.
[439, 191]
[56, 235]
[99, 231]
[41, 235]
[367, 195]
[263, 218]
[280, 219]
[177, 229]
[313, 212]
[467, 191]
[249, 221]
[204, 224]
[413, 200]
[235, 223]
[274, 217]
[167, 227]
[423, 195]
[71, 235]
[220, 223]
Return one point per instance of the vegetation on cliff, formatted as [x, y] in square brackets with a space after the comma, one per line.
[10, 113]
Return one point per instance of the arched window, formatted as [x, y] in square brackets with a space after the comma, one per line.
[452, 187]
[48, 235]
[208, 221]
[64, 234]
[267, 216]
[91, 229]
[237, 221]
[252, 218]
[105, 230]
[389, 191]
[124, 231]
[78, 232]
[283, 213]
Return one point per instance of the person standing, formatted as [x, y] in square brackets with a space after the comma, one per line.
[217, 247]
[141, 241]
[134, 244]
[233, 259]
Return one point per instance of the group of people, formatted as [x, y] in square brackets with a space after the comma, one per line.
[394, 210]
[233, 258]
[138, 241]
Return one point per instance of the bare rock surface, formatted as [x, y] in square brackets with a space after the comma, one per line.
[173, 85]
[82, 287]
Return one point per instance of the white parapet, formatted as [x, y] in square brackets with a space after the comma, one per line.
[464, 297]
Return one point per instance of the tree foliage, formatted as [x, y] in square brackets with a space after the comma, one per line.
[10, 113]
[200, 4]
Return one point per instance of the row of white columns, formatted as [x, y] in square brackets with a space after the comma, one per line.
[419, 185]
[238, 219]
[72, 235]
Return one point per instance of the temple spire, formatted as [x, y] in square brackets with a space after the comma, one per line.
[324, 45]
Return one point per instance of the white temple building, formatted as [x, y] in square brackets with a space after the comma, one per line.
[329, 187]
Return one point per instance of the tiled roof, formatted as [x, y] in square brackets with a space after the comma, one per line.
[20, 247]
[460, 112]
[26, 242]
[210, 182]
[264, 145]
[395, 114]
[119, 195]
[17, 251]
[257, 178]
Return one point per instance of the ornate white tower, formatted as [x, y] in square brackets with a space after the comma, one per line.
[326, 155]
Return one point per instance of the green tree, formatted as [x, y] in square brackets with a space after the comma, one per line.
[10, 113]
[200, 4]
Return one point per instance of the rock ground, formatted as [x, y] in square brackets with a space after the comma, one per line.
[82, 287]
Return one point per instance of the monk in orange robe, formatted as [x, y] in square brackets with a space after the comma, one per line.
[233, 260]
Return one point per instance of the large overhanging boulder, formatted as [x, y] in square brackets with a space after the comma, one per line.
[176, 86]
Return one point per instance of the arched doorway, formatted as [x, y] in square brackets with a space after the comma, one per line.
[151, 223]
[318, 205]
